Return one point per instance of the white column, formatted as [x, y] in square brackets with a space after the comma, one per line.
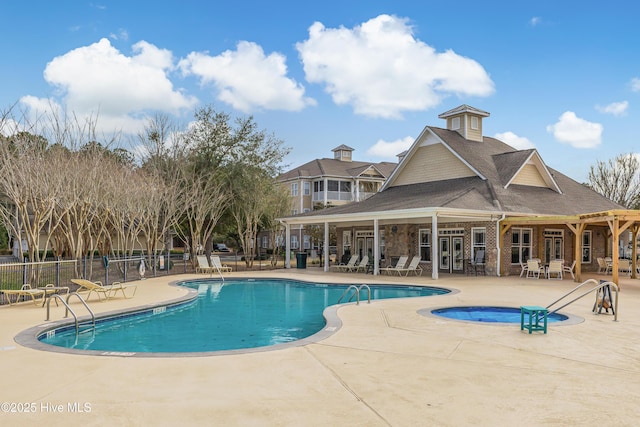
[326, 191]
[325, 248]
[357, 192]
[287, 245]
[434, 247]
[376, 246]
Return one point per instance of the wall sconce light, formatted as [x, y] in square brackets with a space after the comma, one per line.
[394, 229]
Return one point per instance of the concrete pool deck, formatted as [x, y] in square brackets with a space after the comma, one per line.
[387, 365]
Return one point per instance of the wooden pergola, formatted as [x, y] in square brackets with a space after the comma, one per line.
[618, 221]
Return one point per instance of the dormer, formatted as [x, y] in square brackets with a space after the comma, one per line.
[465, 120]
[342, 153]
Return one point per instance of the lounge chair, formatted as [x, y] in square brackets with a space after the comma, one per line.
[362, 265]
[24, 291]
[203, 265]
[402, 261]
[569, 269]
[217, 265]
[413, 267]
[348, 266]
[555, 267]
[106, 291]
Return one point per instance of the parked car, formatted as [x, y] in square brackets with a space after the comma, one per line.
[221, 247]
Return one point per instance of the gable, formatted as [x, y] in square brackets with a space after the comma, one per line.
[534, 173]
[366, 171]
[529, 175]
[432, 162]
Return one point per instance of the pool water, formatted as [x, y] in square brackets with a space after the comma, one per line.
[236, 314]
[489, 314]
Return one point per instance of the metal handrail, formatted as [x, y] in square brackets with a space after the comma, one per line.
[597, 287]
[356, 293]
[69, 309]
[93, 316]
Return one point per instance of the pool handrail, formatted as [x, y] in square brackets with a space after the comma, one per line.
[597, 287]
[68, 308]
[356, 293]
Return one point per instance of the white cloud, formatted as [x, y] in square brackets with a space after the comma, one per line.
[635, 84]
[517, 142]
[247, 79]
[381, 70]
[535, 21]
[99, 80]
[390, 149]
[615, 108]
[577, 132]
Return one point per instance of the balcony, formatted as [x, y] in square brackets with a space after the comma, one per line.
[332, 196]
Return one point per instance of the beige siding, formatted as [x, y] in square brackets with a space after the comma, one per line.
[474, 134]
[432, 163]
[529, 175]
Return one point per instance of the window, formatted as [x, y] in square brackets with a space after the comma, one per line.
[318, 186]
[295, 212]
[382, 244]
[455, 123]
[474, 123]
[265, 241]
[306, 210]
[339, 190]
[294, 188]
[479, 242]
[520, 245]
[294, 242]
[307, 241]
[307, 188]
[425, 245]
[586, 247]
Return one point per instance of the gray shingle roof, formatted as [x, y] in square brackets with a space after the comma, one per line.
[498, 162]
[336, 168]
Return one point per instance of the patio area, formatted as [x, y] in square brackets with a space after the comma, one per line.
[386, 365]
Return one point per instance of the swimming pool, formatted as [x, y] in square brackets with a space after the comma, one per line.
[230, 315]
[489, 314]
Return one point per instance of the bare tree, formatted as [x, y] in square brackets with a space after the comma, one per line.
[618, 179]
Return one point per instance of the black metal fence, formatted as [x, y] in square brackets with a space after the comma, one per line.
[13, 275]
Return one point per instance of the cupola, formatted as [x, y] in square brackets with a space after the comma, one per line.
[342, 153]
[465, 120]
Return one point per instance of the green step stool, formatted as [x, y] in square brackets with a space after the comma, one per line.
[533, 315]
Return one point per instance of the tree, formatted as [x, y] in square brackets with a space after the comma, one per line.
[618, 179]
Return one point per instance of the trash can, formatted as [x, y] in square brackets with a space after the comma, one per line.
[301, 260]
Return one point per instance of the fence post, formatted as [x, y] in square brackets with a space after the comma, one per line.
[24, 270]
[125, 269]
[58, 271]
[168, 261]
[105, 262]
[84, 267]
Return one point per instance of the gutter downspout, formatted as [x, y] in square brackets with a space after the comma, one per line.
[498, 244]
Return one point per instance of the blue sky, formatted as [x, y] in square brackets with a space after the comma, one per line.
[369, 74]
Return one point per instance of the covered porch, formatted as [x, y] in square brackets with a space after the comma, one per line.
[615, 221]
[435, 218]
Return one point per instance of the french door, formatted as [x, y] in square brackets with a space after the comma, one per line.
[451, 254]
